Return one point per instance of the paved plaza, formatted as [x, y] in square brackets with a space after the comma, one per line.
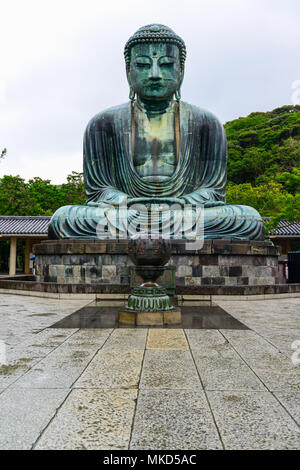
[149, 388]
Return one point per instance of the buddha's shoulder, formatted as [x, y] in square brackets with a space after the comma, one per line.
[199, 114]
[108, 116]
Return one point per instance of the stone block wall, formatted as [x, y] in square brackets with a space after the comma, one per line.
[219, 262]
[225, 270]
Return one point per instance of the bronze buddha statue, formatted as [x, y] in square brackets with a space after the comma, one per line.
[155, 150]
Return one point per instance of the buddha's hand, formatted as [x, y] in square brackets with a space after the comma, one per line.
[214, 203]
[92, 203]
[159, 201]
[202, 197]
[99, 204]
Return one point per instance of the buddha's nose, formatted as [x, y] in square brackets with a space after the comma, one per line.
[155, 71]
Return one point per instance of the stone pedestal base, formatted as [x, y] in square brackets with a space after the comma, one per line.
[223, 263]
[159, 318]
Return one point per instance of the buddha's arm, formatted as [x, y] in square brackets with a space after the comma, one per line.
[99, 167]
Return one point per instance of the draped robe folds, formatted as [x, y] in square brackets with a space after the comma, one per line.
[199, 178]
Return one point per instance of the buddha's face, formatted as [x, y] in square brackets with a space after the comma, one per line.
[155, 71]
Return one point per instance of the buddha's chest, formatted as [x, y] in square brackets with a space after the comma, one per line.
[154, 146]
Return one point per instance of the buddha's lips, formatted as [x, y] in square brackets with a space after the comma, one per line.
[155, 86]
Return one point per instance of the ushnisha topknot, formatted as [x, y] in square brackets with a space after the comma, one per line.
[152, 33]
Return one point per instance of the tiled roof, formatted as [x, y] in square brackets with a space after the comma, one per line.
[286, 228]
[23, 225]
[30, 225]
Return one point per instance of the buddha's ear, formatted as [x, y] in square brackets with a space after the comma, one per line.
[131, 94]
[131, 90]
[128, 73]
[177, 92]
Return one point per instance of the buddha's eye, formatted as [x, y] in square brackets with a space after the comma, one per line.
[166, 62]
[142, 64]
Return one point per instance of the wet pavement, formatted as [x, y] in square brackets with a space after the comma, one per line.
[94, 315]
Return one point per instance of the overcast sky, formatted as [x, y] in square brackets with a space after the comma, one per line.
[62, 62]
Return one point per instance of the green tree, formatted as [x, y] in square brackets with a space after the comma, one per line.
[288, 209]
[263, 144]
[13, 196]
[73, 190]
[263, 198]
[38, 196]
[290, 180]
[45, 197]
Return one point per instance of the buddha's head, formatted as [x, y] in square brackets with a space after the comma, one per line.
[155, 58]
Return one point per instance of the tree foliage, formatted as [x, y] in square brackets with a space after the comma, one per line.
[263, 144]
[38, 196]
[264, 163]
[3, 153]
[263, 197]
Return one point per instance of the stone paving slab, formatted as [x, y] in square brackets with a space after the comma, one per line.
[59, 370]
[62, 367]
[163, 369]
[257, 315]
[15, 369]
[221, 368]
[203, 339]
[126, 338]
[90, 338]
[169, 369]
[218, 364]
[291, 401]
[278, 373]
[274, 369]
[282, 339]
[24, 356]
[24, 414]
[92, 419]
[22, 316]
[250, 345]
[167, 339]
[113, 369]
[253, 420]
[174, 419]
[48, 339]
[277, 323]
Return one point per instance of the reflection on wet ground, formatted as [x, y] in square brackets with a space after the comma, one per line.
[94, 315]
